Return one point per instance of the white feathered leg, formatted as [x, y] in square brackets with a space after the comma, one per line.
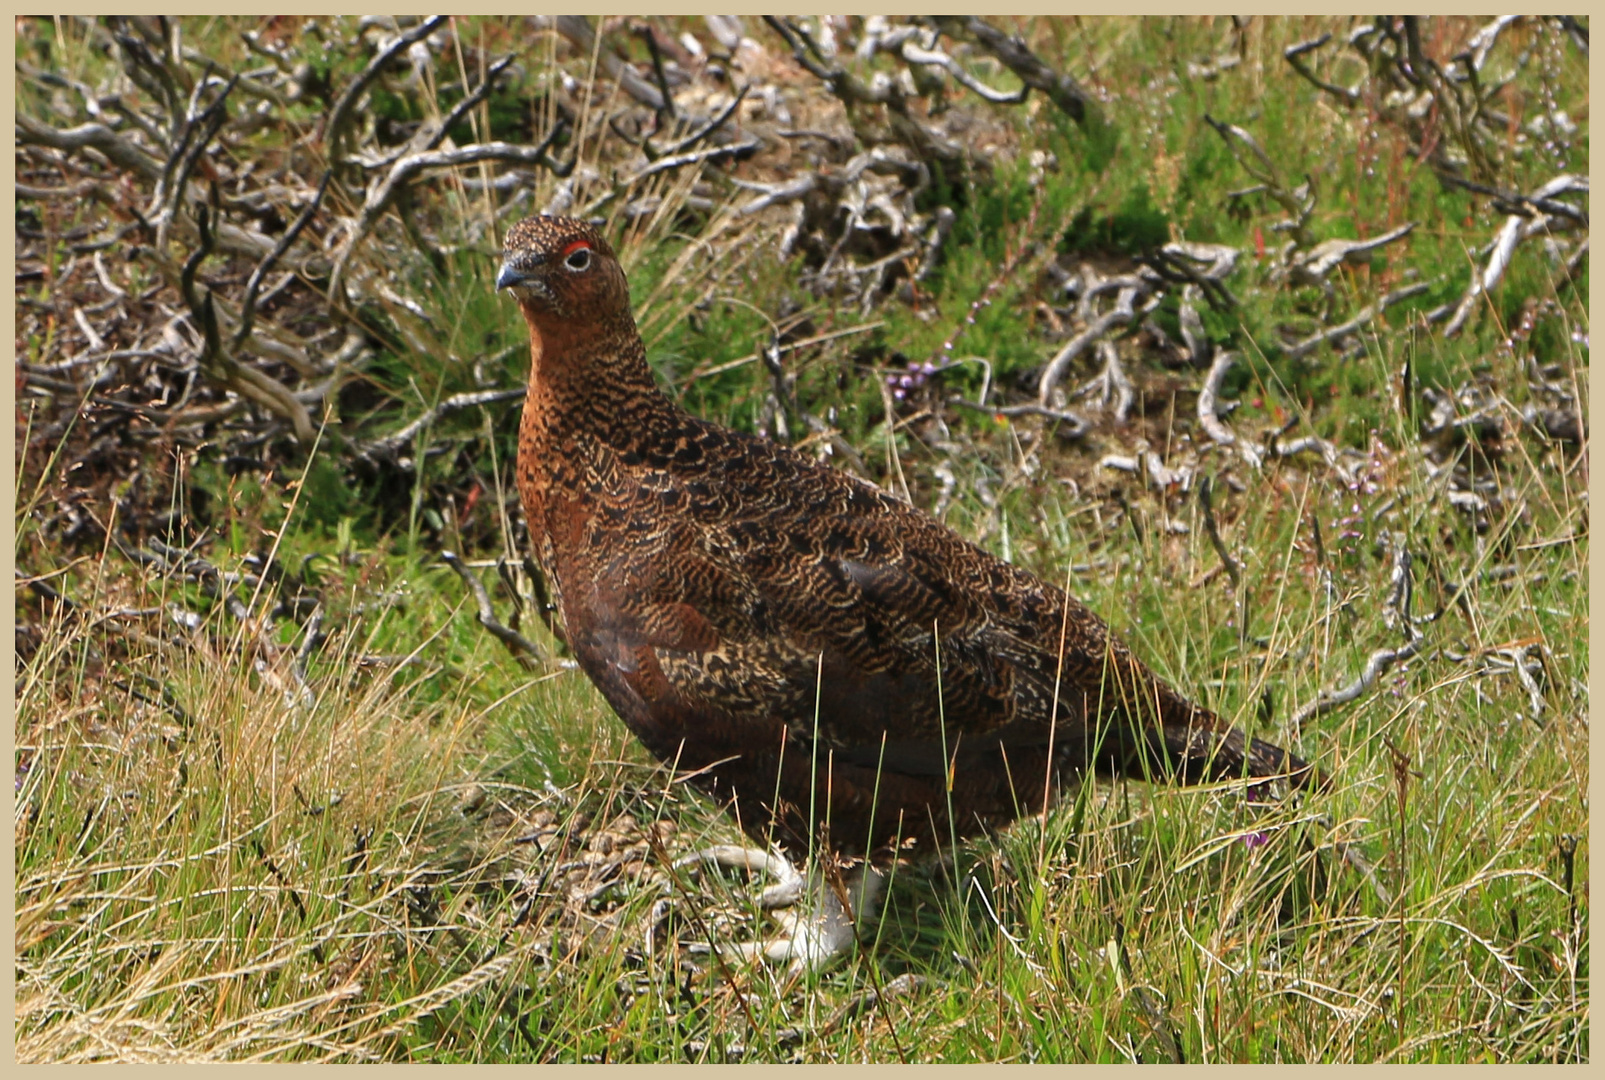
[824, 929]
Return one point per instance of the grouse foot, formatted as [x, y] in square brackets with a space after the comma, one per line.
[811, 937]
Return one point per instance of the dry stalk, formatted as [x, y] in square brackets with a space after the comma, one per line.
[1396, 610]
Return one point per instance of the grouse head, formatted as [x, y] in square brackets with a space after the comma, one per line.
[564, 269]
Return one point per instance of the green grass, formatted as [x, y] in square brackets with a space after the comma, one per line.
[429, 852]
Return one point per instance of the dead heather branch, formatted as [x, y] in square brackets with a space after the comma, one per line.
[1528, 206]
[1200, 348]
[1121, 314]
[1297, 203]
[1561, 425]
[1518, 226]
[184, 127]
[253, 285]
[930, 56]
[542, 601]
[97, 137]
[1448, 110]
[336, 130]
[384, 192]
[1179, 262]
[218, 360]
[694, 157]
[790, 191]
[173, 185]
[782, 400]
[924, 142]
[1113, 382]
[935, 238]
[1209, 393]
[1206, 502]
[525, 651]
[1294, 55]
[1362, 318]
[1312, 267]
[390, 446]
[1456, 105]
[1525, 660]
[280, 594]
[431, 133]
[1012, 50]
[710, 127]
[578, 30]
[1396, 612]
[1316, 444]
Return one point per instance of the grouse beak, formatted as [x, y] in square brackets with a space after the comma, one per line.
[525, 282]
[507, 277]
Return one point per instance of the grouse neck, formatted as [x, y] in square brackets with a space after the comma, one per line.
[591, 374]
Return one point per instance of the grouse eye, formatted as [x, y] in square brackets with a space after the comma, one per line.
[578, 259]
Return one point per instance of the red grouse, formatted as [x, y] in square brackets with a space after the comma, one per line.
[842, 672]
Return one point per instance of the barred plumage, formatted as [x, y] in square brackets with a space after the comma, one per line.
[733, 599]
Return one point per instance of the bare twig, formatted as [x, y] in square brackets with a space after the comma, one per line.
[776, 194]
[1515, 229]
[1078, 425]
[312, 637]
[1312, 267]
[385, 192]
[432, 134]
[1175, 262]
[926, 143]
[263, 268]
[218, 359]
[334, 132]
[1512, 202]
[543, 601]
[1119, 315]
[700, 133]
[1294, 54]
[1060, 89]
[99, 137]
[388, 446]
[1477, 49]
[1320, 446]
[1364, 316]
[1299, 203]
[694, 157]
[1206, 502]
[578, 29]
[1114, 381]
[785, 391]
[173, 185]
[941, 226]
[644, 30]
[1209, 393]
[1200, 349]
[527, 652]
[1396, 611]
[1517, 655]
[937, 58]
